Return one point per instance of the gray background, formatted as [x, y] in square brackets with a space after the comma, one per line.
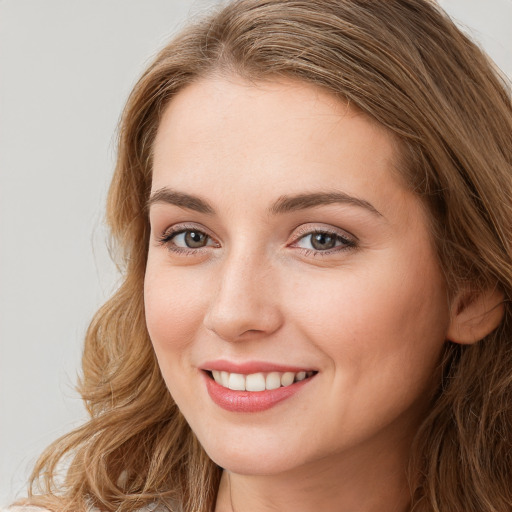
[66, 68]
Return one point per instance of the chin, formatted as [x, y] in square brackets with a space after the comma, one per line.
[257, 465]
[250, 458]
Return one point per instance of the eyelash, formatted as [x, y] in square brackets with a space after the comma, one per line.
[347, 243]
[166, 239]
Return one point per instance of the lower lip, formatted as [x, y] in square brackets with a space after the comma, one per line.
[250, 401]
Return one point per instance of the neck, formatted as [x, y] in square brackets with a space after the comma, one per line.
[372, 483]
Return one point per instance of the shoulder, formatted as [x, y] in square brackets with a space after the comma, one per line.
[174, 507]
[23, 508]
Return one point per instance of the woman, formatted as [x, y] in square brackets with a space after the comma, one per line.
[313, 206]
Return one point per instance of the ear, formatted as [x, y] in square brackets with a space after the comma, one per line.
[475, 315]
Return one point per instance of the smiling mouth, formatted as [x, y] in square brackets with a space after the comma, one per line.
[261, 381]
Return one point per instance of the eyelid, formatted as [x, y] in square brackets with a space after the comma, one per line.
[310, 228]
[349, 241]
[166, 236]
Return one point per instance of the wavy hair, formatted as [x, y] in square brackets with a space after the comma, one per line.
[406, 65]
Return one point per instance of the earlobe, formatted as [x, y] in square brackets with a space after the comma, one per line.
[475, 315]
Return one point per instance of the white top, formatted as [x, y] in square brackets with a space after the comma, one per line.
[153, 507]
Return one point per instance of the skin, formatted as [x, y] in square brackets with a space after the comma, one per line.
[371, 316]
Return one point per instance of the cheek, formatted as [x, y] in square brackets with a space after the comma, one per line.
[379, 320]
[174, 314]
[382, 337]
[173, 306]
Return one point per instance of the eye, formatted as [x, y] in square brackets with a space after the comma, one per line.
[321, 241]
[182, 239]
[192, 239]
[324, 241]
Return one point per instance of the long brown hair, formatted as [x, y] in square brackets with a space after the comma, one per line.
[406, 65]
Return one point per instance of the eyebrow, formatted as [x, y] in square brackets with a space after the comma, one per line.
[303, 201]
[187, 201]
[283, 204]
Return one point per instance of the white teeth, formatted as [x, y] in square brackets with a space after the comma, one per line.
[258, 381]
[236, 382]
[273, 380]
[255, 382]
[287, 378]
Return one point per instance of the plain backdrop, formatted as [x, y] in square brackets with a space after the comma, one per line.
[66, 68]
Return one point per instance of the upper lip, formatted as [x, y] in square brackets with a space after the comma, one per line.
[249, 367]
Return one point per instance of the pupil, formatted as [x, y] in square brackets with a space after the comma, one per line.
[323, 241]
[193, 239]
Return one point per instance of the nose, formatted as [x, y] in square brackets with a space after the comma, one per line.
[244, 303]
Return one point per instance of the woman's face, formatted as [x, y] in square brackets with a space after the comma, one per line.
[287, 258]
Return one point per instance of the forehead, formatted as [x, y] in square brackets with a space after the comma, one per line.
[221, 135]
[203, 107]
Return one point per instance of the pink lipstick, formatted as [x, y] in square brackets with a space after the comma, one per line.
[253, 386]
